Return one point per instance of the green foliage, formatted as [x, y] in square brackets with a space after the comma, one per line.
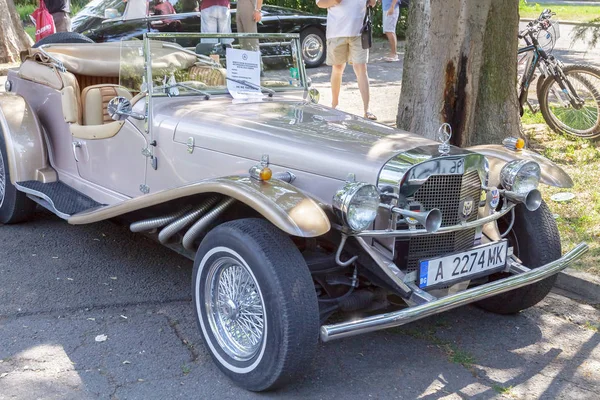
[26, 7]
[589, 31]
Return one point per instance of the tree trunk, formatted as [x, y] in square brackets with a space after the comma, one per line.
[13, 39]
[460, 67]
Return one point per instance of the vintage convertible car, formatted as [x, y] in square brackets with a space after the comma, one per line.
[291, 211]
[113, 20]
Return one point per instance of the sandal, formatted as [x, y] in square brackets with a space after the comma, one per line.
[391, 59]
[371, 116]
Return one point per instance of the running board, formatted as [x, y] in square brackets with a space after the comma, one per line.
[62, 200]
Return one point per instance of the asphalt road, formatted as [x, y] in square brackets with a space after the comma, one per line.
[62, 286]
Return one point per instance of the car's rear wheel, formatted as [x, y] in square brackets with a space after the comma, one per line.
[255, 303]
[314, 47]
[536, 242]
[63, 37]
[14, 205]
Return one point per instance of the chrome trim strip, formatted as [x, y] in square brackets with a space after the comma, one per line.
[406, 233]
[401, 317]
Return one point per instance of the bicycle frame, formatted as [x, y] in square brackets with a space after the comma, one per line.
[539, 54]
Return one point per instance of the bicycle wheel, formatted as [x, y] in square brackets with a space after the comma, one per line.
[581, 120]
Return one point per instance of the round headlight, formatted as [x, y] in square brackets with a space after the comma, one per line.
[356, 205]
[521, 176]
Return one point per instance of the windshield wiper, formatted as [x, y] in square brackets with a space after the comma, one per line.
[183, 85]
[271, 92]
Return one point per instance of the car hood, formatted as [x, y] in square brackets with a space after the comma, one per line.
[297, 135]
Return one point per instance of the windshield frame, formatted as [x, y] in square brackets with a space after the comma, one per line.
[276, 36]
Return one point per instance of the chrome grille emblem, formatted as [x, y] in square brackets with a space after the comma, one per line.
[444, 136]
[466, 208]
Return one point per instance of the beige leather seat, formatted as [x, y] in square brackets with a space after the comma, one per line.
[94, 102]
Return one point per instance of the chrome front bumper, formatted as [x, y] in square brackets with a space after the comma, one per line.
[410, 314]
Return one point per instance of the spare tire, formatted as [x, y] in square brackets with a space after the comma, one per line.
[63, 37]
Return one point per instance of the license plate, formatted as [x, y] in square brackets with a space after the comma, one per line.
[478, 261]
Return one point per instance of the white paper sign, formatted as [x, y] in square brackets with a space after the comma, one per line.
[243, 65]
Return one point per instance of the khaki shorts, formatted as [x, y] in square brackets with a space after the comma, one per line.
[341, 50]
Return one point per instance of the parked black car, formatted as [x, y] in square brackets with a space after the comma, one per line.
[111, 20]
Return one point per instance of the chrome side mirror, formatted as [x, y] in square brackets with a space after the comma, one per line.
[314, 95]
[119, 109]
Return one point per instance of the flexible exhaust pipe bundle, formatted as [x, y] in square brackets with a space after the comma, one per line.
[191, 235]
[157, 222]
[168, 231]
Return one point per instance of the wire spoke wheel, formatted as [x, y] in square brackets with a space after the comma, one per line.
[580, 117]
[235, 308]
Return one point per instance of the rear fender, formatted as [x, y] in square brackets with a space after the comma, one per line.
[24, 140]
[283, 204]
[499, 155]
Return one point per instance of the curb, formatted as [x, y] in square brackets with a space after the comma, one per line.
[581, 284]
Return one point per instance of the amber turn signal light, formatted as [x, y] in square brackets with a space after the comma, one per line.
[265, 174]
[520, 144]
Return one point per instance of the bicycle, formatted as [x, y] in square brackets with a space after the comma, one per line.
[569, 97]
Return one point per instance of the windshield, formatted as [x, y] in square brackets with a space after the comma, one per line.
[104, 9]
[242, 65]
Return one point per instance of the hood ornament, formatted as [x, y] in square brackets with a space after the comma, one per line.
[444, 135]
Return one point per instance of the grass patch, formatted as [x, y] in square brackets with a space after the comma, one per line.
[531, 118]
[30, 30]
[592, 327]
[578, 219]
[502, 389]
[186, 369]
[563, 12]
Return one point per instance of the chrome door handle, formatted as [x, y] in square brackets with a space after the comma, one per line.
[76, 145]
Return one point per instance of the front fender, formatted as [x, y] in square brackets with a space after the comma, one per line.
[284, 205]
[25, 146]
[499, 155]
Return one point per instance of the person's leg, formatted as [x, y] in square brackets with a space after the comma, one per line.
[393, 43]
[359, 58]
[389, 28]
[337, 56]
[208, 23]
[60, 22]
[337, 71]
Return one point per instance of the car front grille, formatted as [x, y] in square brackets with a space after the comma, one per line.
[444, 192]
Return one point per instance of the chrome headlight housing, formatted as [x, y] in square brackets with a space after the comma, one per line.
[356, 204]
[520, 176]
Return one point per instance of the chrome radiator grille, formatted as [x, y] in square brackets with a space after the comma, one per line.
[444, 192]
[430, 246]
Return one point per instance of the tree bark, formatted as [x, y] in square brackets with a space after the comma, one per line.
[13, 39]
[460, 68]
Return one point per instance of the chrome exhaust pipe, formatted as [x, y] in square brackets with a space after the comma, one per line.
[168, 231]
[532, 200]
[431, 220]
[157, 222]
[201, 225]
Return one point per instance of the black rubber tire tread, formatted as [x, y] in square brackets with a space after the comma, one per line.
[321, 34]
[63, 37]
[16, 207]
[543, 100]
[539, 242]
[291, 291]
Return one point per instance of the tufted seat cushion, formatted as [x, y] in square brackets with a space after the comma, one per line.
[209, 75]
[94, 101]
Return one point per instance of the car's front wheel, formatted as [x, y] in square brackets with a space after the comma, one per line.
[255, 303]
[535, 241]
